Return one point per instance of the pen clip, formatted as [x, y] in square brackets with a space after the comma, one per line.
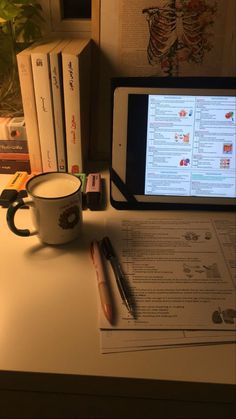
[107, 248]
[123, 287]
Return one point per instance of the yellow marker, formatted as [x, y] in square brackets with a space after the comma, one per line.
[11, 189]
[16, 180]
[28, 177]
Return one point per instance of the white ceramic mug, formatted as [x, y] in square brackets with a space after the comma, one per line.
[55, 200]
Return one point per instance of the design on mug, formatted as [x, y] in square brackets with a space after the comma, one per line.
[69, 218]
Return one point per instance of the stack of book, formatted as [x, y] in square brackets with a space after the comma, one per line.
[14, 154]
[55, 87]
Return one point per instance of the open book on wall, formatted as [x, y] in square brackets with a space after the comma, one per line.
[194, 44]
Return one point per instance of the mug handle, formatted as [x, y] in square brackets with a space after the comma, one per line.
[11, 212]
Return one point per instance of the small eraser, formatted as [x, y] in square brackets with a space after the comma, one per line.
[93, 191]
[82, 177]
[93, 183]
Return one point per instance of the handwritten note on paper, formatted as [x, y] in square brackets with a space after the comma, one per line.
[181, 273]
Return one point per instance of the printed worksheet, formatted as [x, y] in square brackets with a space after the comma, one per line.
[181, 273]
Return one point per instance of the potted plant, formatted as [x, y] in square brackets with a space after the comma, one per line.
[20, 24]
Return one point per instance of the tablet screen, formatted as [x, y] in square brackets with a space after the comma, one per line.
[178, 146]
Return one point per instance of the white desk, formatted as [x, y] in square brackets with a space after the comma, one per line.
[49, 324]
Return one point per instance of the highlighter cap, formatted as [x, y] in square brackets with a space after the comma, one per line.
[8, 196]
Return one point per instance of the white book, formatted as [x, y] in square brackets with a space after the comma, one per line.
[4, 120]
[76, 61]
[58, 103]
[43, 97]
[29, 108]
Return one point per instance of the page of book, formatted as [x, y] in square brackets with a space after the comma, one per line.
[145, 39]
[193, 44]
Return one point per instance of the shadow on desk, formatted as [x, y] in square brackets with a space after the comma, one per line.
[39, 395]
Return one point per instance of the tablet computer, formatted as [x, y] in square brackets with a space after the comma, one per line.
[174, 144]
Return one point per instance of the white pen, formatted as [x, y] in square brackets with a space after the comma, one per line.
[101, 279]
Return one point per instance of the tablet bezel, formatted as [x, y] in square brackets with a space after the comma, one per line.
[119, 149]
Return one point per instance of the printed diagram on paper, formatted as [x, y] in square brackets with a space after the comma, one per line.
[173, 37]
[181, 273]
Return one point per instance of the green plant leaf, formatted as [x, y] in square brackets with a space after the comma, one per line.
[8, 11]
[26, 17]
[5, 57]
[3, 4]
[29, 30]
[23, 2]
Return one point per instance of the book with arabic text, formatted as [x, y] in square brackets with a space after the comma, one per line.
[76, 59]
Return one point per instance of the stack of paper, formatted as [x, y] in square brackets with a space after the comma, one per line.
[182, 277]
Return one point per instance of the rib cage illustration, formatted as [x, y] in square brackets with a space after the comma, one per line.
[173, 28]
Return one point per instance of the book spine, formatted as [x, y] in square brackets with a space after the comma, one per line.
[14, 156]
[3, 128]
[43, 97]
[12, 166]
[71, 87]
[58, 108]
[13, 146]
[29, 108]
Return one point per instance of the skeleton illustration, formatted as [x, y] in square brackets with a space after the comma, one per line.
[178, 32]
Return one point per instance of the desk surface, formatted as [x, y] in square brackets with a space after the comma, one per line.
[49, 314]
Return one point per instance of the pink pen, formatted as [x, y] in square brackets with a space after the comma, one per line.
[102, 283]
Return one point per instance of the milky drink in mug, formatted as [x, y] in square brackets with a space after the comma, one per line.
[56, 207]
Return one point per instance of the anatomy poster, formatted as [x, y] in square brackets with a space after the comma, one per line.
[175, 37]
[159, 38]
[180, 31]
